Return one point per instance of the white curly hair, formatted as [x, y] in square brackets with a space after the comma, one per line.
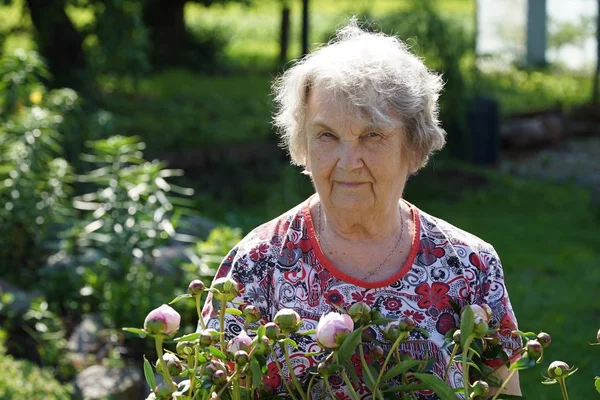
[376, 78]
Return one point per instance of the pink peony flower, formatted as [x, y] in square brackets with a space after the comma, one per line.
[163, 320]
[332, 329]
[483, 311]
[241, 342]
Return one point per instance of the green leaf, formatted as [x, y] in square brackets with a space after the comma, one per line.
[260, 332]
[467, 321]
[523, 363]
[400, 369]
[307, 333]
[181, 296]
[256, 373]
[138, 331]
[149, 374]
[233, 311]
[288, 341]
[597, 384]
[436, 384]
[406, 388]
[347, 349]
[188, 338]
[217, 353]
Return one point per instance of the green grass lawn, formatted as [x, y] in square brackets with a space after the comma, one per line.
[548, 237]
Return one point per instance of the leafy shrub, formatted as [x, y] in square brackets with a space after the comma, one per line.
[24, 380]
[34, 178]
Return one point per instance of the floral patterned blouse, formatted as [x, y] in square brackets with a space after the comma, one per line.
[281, 265]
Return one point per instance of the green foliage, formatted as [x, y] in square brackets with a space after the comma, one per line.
[24, 380]
[212, 250]
[34, 179]
[123, 51]
[20, 74]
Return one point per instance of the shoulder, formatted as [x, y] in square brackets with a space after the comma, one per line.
[271, 236]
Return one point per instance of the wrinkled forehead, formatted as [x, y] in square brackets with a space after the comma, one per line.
[359, 106]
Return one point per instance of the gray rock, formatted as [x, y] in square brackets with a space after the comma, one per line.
[85, 337]
[21, 299]
[99, 382]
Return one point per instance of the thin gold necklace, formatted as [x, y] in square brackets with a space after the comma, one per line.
[377, 268]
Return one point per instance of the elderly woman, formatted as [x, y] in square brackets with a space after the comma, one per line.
[360, 116]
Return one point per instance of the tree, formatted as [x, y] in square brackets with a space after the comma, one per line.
[595, 94]
[59, 42]
[284, 33]
[305, 15]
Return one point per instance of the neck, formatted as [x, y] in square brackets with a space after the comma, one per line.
[375, 226]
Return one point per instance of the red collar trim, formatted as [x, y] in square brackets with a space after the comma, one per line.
[351, 279]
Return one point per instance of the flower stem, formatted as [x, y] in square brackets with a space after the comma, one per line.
[192, 365]
[236, 384]
[349, 384]
[158, 341]
[454, 350]
[199, 311]
[310, 383]
[465, 365]
[563, 388]
[333, 396]
[366, 367]
[285, 381]
[401, 337]
[508, 378]
[222, 325]
[291, 371]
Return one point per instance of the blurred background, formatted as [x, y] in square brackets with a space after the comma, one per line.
[136, 149]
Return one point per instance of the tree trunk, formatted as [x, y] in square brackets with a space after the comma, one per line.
[284, 38]
[305, 27]
[167, 32]
[59, 43]
[596, 84]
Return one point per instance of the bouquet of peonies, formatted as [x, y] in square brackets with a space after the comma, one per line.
[208, 366]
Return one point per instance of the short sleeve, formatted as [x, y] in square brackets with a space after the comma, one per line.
[252, 277]
[492, 291]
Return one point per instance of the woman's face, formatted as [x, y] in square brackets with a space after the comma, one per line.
[355, 166]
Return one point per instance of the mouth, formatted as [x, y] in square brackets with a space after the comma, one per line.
[350, 184]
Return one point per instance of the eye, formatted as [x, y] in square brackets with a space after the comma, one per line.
[327, 135]
[373, 135]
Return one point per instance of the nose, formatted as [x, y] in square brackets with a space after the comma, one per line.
[350, 155]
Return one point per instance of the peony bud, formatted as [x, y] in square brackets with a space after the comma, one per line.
[558, 369]
[598, 336]
[332, 329]
[392, 331]
[211, 367]
[482, 311]
[360, 312]
[225, 289]
[288, 320]
[534, 349]
[376, 352]
[196, 287]
[241, 358]
[480, 328]
[544, 339]
[206, 338]
[262, 346]
[456, 336]
[272, 330]
[241, 342]
[252, 314]
[174, 366]
[406, 324]
[163, 391]
[185, 349]
[220, 377]
[163, 320]
[481, 389]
